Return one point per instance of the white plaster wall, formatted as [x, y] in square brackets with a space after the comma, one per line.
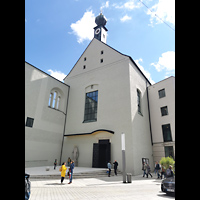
[141, 136]
[116, 81]
[157, 120]
[43, 140]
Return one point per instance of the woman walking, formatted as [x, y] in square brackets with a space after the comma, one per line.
[63, 171]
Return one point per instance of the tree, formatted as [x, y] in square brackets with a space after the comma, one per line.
[166, 161]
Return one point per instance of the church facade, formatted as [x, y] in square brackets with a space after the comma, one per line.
[105, 94]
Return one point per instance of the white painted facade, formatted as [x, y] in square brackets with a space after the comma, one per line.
[44, 139]
[117, 80]
[157, 120]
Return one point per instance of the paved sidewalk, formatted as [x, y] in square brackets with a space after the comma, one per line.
[110, 188]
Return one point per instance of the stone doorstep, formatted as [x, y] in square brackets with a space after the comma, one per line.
[76, 175]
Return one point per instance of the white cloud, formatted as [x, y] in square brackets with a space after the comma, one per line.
[83, 28]
[125, 18]
[164, 9]
[146, 73]
[165, 62]
[105, 5]
[129, 5]
[57, 74]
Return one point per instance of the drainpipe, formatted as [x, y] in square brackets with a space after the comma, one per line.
[149, 115]
[64, 127]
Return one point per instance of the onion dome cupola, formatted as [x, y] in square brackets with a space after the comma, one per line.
[100, 31]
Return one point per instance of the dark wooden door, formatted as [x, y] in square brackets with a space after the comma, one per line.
[95, 160]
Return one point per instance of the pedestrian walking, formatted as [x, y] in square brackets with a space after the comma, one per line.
[162, 172]
[63, 169]
[144, 167]
[71, 172]
[158, 169]
[148, 169]
[109, 168]
[55, 163]
[115, 167]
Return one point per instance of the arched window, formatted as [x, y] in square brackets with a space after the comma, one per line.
[139, 101]
[54, 99]
[50, 99]
[58, 102]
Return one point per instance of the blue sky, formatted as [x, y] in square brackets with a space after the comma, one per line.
[58, 31]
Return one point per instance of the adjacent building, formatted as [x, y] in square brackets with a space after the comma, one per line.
[162, 112]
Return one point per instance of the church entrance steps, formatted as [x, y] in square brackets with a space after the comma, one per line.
[79, 172]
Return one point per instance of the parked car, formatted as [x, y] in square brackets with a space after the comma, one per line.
[27, 186]
[168, 185]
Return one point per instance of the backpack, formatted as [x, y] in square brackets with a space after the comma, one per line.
[60, 169]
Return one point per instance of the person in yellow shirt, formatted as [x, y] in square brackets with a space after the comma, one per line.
[63, 171]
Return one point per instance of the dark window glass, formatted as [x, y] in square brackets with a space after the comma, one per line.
[167, 137]
[169, 151]
[161, 93]
[91, 100]
[164, 111]
[29, 122]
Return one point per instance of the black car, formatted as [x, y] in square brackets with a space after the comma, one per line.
[168, 185]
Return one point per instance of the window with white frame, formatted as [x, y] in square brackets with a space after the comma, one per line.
[54, 99]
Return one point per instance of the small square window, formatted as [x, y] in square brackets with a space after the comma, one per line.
[101, 52]
[161, 93]
[164, 111]
[85, 59]
[84, 66]
[29, 122]
[101, 60]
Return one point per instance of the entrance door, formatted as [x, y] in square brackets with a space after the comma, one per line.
[101, 153]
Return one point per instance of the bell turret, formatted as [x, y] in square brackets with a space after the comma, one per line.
[100, 31]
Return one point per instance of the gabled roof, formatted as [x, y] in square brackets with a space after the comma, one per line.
[46, 73]
[114, 50]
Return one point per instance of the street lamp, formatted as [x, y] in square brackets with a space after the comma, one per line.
[123, 157]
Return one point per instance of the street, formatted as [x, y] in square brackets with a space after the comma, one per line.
[98, 188]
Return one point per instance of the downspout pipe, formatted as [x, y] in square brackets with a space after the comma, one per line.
[64, 127]
[149, 115]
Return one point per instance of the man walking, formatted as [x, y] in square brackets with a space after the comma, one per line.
[158, 169]
[115, 167]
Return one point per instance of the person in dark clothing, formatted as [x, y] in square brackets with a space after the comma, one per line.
[158, 169]
[148, 169]
[71, 171]
[55, 163]
[115, 167]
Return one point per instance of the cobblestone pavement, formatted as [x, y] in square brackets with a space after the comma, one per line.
[98, 188]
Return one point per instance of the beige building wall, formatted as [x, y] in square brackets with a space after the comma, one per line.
[157, 120]
[116, 80]
[44, 139]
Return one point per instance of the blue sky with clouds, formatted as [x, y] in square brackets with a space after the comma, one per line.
[58, 31]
